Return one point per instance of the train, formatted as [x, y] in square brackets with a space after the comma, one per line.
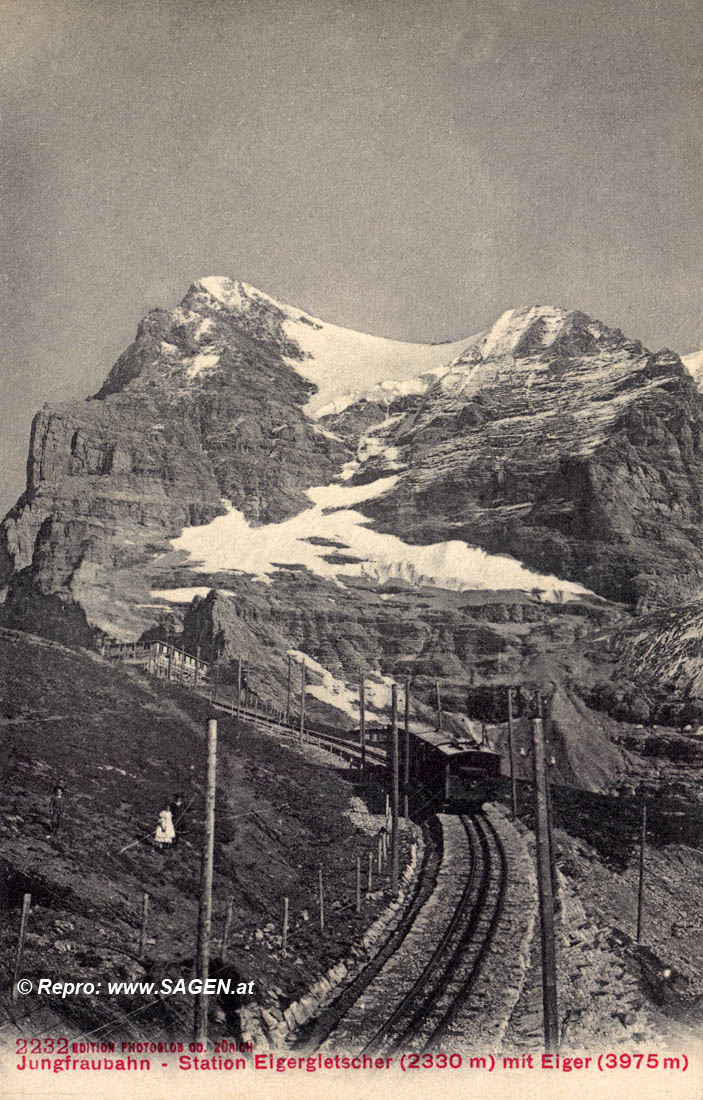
[445, 768]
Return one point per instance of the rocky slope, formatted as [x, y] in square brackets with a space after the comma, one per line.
[282, 812]
[500, 504]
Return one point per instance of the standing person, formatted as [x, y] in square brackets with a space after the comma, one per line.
[178, 809]
[56, 808]
[165, 832]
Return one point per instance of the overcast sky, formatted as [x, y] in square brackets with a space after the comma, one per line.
[403, 167]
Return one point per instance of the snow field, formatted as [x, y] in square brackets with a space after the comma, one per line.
[336, 356]
[229, 542]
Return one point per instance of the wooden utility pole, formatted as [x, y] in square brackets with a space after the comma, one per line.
[439, 705]
[225, 930]
[321, 899]
[395, 834]
[239, 687]
[546, 897]
[26, 902]
[406, 750]
[169, 672]
[197, 666]
[362, 718]
[550, 818]
[640, 891]
[205, 909]
[284, 934]
[288, 691]
[538, 702]
[369, 879]
[358, 883]
[511, 756]
[142, 932]
[550, 832]
[302, 699]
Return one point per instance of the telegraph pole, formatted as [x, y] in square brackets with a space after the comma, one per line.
[26, 903]
[225, 930]
[362, 722]
[550, 817]
[546, 897]
[640, 892]
[302, 699]
[406, 749]
[552, 847]
[511, 754]
[205, 910]
[357, 900]
[395, 838]
[288, 690]
[239, 687]
[145, 917]
[284, 934]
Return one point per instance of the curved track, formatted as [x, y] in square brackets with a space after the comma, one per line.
[415, 997]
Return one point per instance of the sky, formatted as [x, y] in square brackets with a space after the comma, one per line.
[408, 168]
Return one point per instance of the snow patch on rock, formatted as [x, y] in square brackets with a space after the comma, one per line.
[336, 693]
[505, 335]
[694, 365]
[384, 393]
[183, 595]
[201, 362]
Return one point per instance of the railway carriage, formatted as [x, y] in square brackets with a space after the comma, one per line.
[443, 766]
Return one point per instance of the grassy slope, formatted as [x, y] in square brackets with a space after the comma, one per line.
[123, 746]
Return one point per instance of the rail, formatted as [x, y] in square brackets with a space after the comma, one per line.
[410, 1001]
[443, 986]
[164, 661]
[338, 745]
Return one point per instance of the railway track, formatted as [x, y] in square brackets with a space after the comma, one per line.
[337, 745]
[415, 998]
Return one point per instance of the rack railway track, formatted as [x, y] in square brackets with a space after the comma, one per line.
[337, 745]
[413, 996]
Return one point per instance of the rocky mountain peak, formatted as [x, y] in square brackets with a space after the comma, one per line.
[542, 461]
[546, 331]
[233, 294]
[519, 332]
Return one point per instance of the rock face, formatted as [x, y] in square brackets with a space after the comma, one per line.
[667, 647]
[482, 515]
[562, 443]
[175, 428]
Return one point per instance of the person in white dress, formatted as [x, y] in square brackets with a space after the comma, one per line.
[165, 832]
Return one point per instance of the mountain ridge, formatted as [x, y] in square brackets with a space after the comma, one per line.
[550, 443]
